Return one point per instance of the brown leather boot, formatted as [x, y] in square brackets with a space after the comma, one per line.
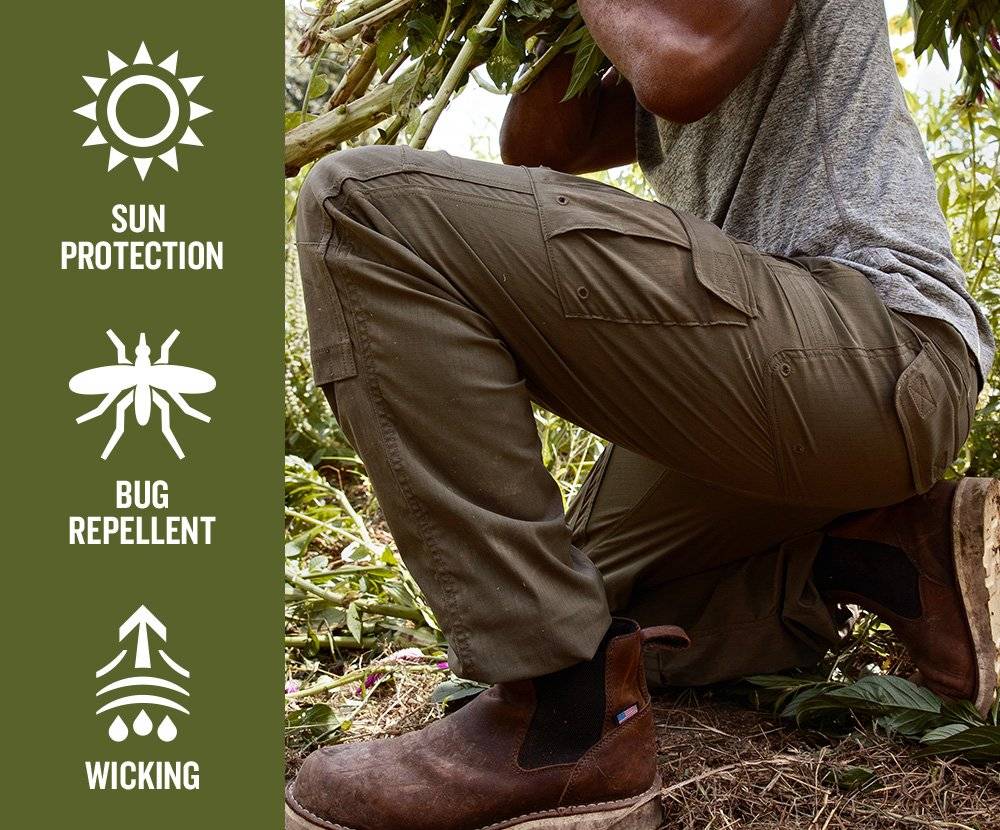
[572, 750]
[930, 568]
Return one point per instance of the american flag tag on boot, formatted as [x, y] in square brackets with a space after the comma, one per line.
[625, 714]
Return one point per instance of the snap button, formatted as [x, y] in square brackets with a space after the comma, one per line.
[562, 200]
[785, 370]
[582, 292]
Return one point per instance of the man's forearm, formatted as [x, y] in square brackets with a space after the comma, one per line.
[593, 131]
[682, 58]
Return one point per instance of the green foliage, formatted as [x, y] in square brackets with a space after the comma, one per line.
[963, 142]
[972, 26]
[587, 60]
[309, 430]
[507, 56]
[348, 599]
[890, 703]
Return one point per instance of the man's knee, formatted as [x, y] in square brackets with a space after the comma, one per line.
[359, 164]
[326, 182]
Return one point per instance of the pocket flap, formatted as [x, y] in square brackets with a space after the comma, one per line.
[596, 206]
[329, 342]
[332, 362]
[926, 411]
[718, 265]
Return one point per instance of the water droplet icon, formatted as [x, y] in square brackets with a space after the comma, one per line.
[142, 723]
[118, 731]
[166, 731]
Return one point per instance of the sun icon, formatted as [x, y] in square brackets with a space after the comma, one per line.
[173, 130]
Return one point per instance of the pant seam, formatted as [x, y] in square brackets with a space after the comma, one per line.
[497, 203]
[375, 400]
[364, 176]
[584, 508]
[639, 503]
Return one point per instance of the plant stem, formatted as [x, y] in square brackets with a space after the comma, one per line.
[536, 69]
[351, 85]
[346, 31]
[359, 523]
[353, 12]
[312, 76]
[970, 235]
[302, 641]
[343, 570]
[459, 69]
[977, 281]
[315, 138]
[355, 676]
[302, 517]
[398, 611]
[393, 68]
[392, 130]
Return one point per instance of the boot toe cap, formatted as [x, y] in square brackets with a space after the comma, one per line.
[332, 789]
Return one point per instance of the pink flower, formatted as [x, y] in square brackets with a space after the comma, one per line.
[370, 680]
[406, 655]
[292, 686]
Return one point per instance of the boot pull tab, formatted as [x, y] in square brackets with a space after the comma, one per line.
[664, 638]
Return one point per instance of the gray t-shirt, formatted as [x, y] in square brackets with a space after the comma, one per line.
[815, 154]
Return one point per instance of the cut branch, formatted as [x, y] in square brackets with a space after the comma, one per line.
[458, 72]
[398, 611]
[316, 138]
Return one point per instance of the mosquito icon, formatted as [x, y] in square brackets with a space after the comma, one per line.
[142, 379]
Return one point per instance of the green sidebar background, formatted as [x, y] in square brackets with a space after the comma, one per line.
[222, 603]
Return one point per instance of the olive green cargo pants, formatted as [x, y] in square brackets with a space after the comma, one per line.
[749, 400]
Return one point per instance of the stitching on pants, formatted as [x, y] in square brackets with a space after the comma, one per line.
[800, 304]
[390, 442]
[582, 507]
[608, 535]
[498, 203]
[543, 227]
[365, 176]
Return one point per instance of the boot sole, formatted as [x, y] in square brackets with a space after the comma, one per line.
[976, 544]
[643, 812]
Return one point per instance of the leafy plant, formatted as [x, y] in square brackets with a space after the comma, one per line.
[972, 26]
[893, 704]
[963, 142]
[401, 61]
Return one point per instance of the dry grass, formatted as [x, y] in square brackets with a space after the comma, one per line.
[396, 706]
[730, 767]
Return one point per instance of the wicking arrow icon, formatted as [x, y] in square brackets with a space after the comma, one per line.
[143, 619]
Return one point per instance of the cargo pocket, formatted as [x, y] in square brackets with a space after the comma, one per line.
[616, 257]
[837, 438]
[930, 409]
[329, 342]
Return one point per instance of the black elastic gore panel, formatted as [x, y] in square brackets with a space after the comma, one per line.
[569, 710]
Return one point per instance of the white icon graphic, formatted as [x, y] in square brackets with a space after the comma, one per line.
[142, 379]
[143, 623]
[176, 129]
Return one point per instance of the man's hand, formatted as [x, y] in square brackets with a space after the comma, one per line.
[683, 58]
[593, 131]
